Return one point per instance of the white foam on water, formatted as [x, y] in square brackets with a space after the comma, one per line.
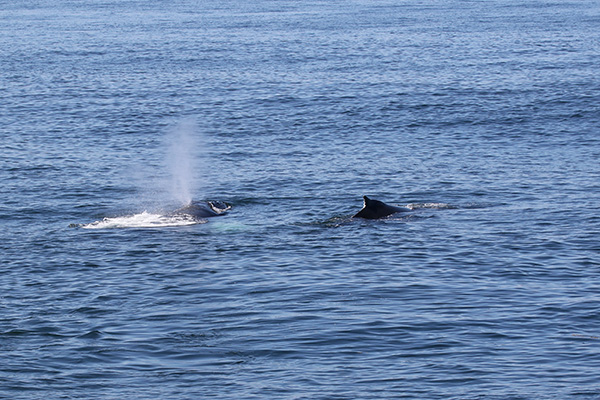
[144, 220]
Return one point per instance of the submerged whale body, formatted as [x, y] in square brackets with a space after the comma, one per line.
[374, 209]
[201, 210]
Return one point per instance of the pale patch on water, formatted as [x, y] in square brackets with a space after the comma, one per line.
[222, 226]
[144, 220]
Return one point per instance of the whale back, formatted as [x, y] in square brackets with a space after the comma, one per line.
[374, 209]
[203, 209]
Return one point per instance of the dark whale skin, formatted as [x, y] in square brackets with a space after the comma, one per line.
[375, 209]
[197, 209]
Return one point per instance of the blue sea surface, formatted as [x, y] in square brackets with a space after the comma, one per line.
[482, 116]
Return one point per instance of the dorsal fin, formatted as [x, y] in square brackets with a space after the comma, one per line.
[373, 209]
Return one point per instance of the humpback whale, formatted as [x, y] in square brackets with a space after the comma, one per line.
[201, 210]
[374, 209]
[195, 212]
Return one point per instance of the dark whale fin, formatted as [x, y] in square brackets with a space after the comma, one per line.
[374, 209]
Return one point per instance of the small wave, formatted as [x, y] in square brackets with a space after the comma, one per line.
[144, 220]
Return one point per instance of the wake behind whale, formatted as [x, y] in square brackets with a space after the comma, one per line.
[144, 219]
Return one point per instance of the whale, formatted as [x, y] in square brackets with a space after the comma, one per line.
[375, 209]
[202, 209]
[195, 212]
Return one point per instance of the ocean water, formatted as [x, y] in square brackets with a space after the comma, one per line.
[482, 115]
